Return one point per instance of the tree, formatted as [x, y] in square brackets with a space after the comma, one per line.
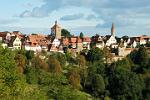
[81, 61]
[81, 35]
[21, 63]
[95, 84]
[29, 54]
[124, 63]
[67, 93]
[125, 84]
[146, 93]
[54, 66]
[70, 59]
[38, 63]
[107, 55]
[97, 68]
[60, 57]
[11, 84]
[141, 59]
[46, 78]
[95, 54]
[31, 75]
[74, 78]
[65, 33]
[98, 86]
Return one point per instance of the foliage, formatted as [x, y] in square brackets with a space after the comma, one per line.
[81, 35]
[29, 54]
[123, 64]
[95, 54]
[125, 84]
[74, 78]
[67, 93]
[81, 61]
[146, 93]
[31, 75]
[21, 62]
[11, 84]
[60, 57]
[65, 33]
[54, 66]
[141, 58]
[107, 55]
[86, 76]
[38, 63]
[98, 86]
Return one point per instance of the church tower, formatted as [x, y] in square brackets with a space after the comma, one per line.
[56, 31]
[113, 30]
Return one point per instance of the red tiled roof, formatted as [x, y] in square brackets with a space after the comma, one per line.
[16, 32]
[38, 40]
[86, 39]
[73, 40]
[65, 41]
[3, 34]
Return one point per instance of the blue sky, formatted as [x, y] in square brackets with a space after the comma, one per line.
[131, 17]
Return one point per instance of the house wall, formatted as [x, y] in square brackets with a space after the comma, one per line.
[35, 49]
[8, 36]
[17, 43]
[79, 47]
[121, 51]
[111, 40]
[142, 42]
[56, 42]
[100, 45]
[1, 39]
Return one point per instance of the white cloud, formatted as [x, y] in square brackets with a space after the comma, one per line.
[72, 17]
[124, 13]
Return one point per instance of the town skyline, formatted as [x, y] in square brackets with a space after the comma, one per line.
[65, 66]
[89, 17]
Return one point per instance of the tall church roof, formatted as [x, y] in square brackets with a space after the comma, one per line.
[113, 29]
[56, 25]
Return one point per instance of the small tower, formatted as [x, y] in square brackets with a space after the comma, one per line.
[113, 30]
[56, 31]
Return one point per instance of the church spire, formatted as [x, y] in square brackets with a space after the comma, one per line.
[56, 22]
[113, 30]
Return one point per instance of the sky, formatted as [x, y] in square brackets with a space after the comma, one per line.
[131, 17]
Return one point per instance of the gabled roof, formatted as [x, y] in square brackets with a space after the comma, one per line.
[65, 41]
[3, 34]
[38, 40]
[86, 39]
[97, 38]
[10, 44]
[107, 37]
[16, 32]
[125, 38]
[132, 39]
[73, 39]
[118, 39]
